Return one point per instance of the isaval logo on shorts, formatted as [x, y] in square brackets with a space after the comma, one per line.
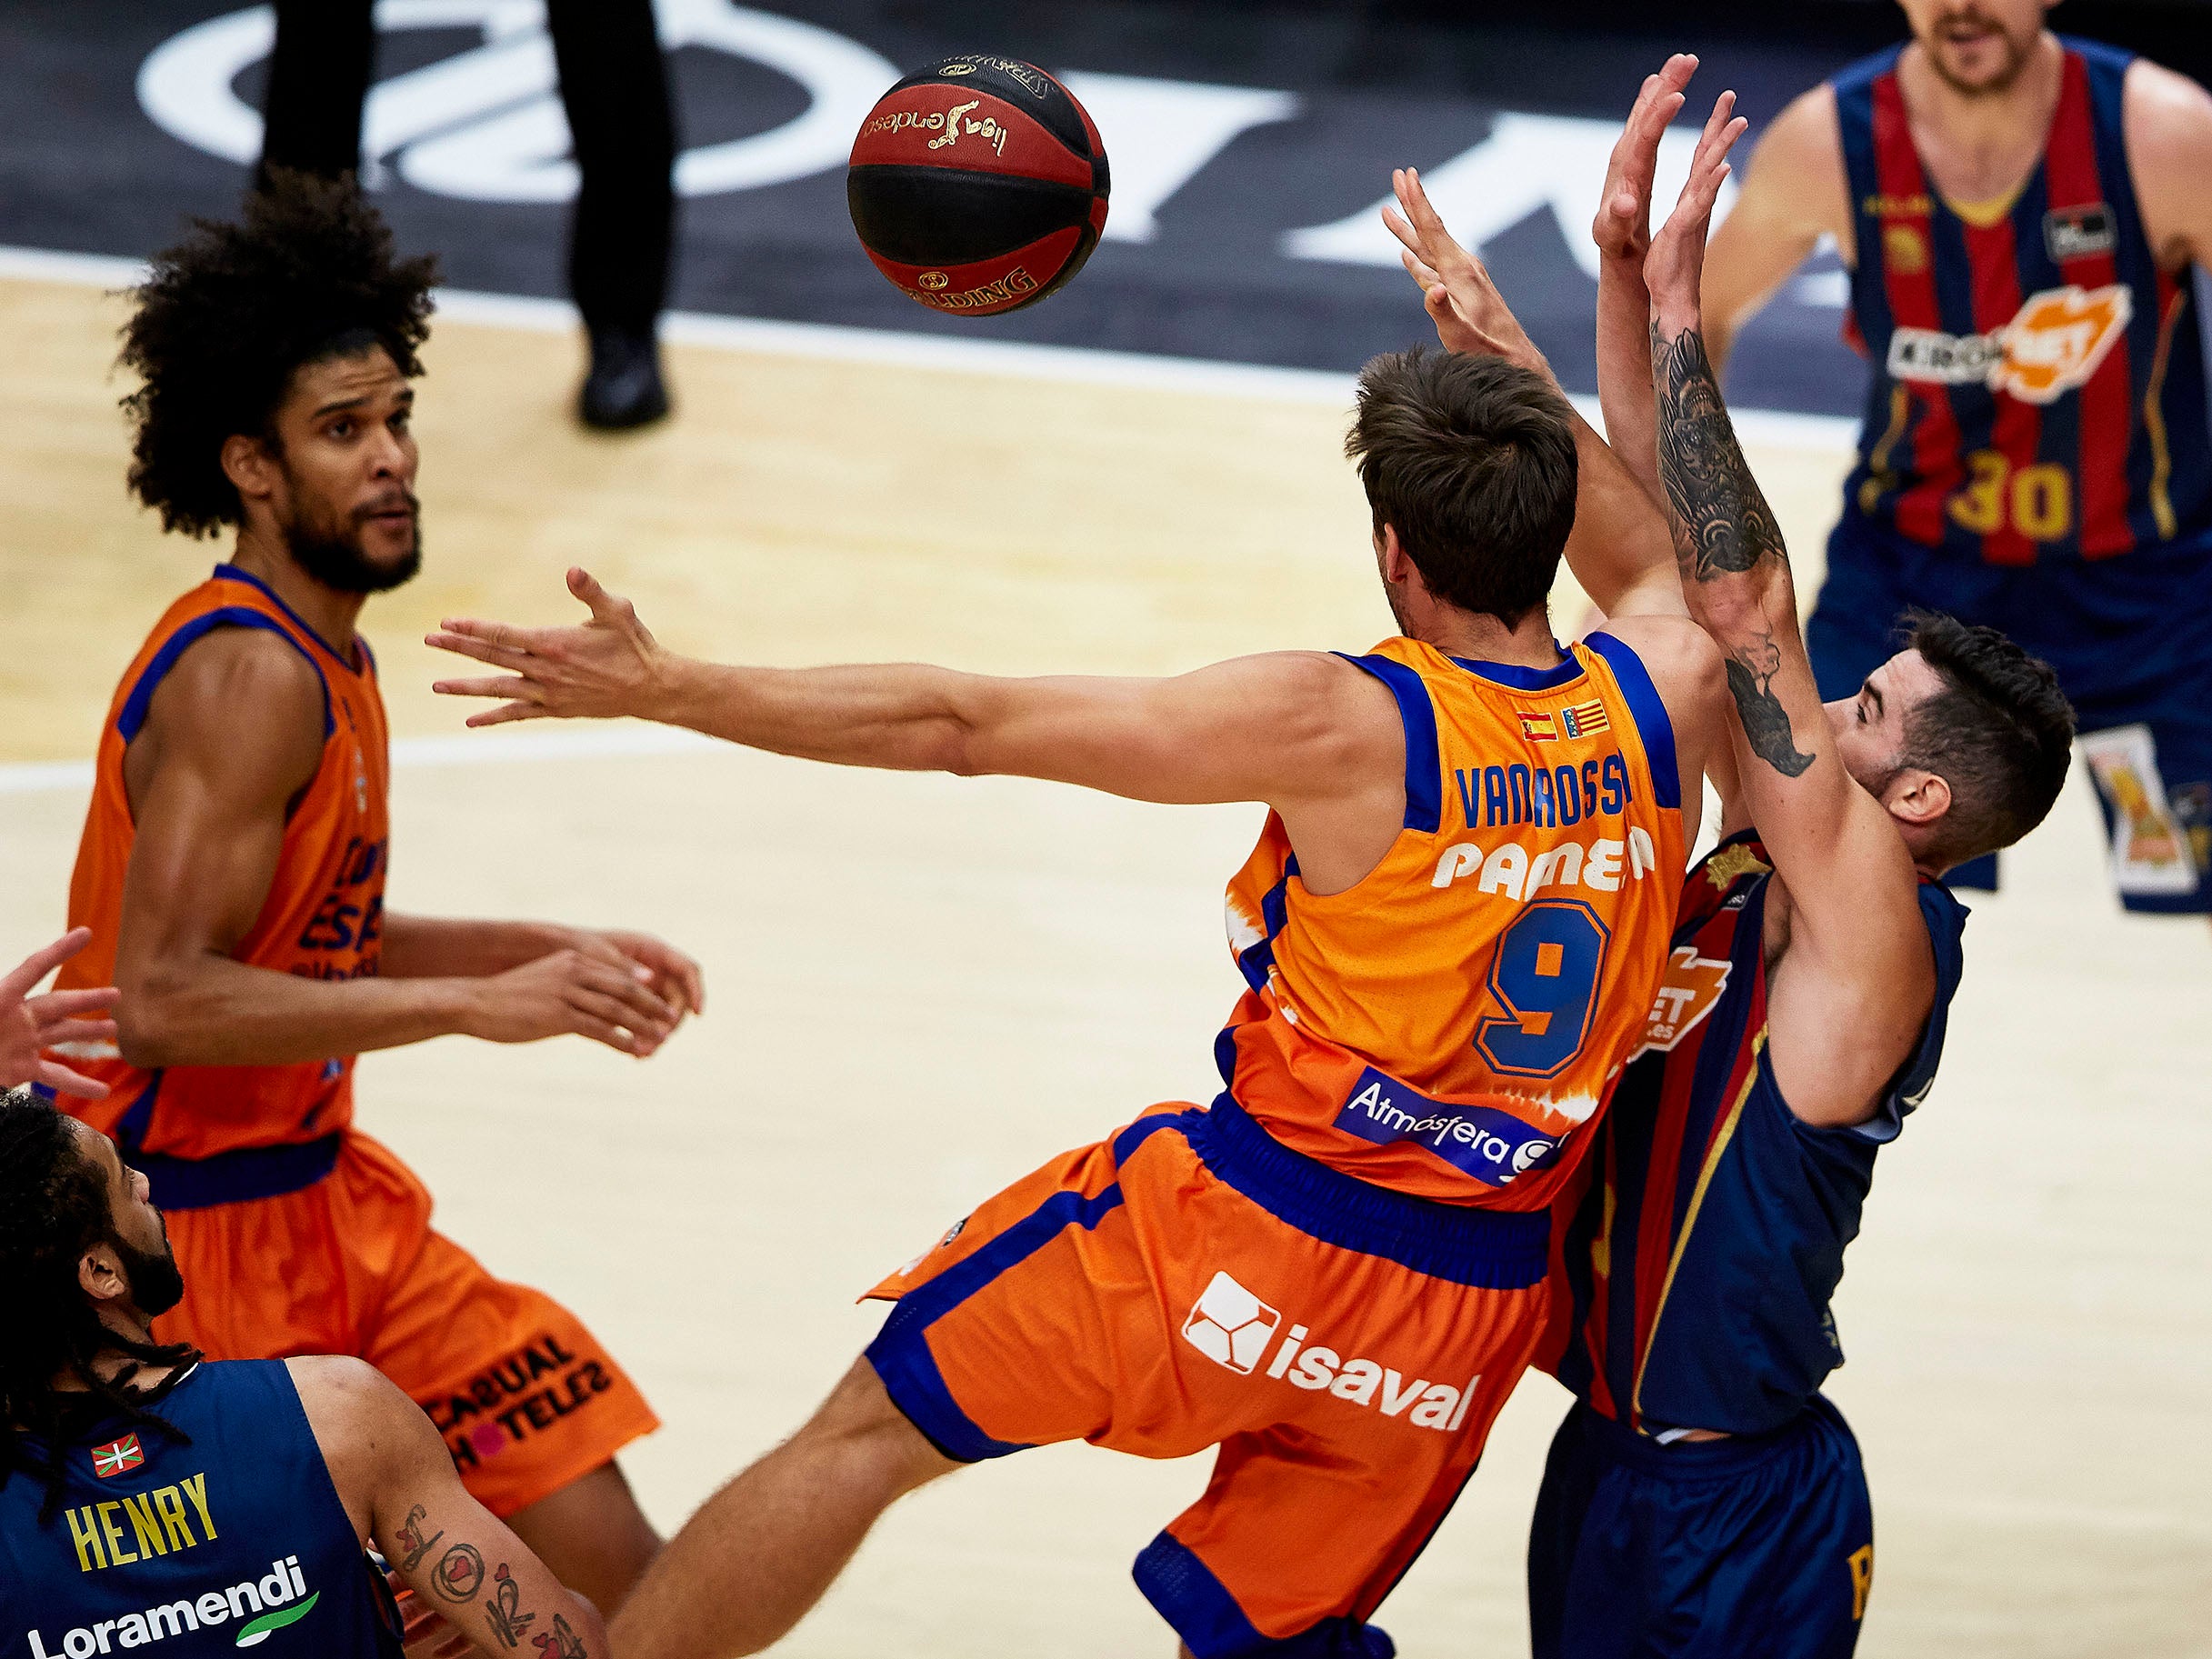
[1234, 1328]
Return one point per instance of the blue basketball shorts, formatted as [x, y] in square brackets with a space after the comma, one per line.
[2131, 639]
[1760, 1544]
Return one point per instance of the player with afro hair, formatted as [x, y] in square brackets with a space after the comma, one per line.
[226, 318]
[232, 878]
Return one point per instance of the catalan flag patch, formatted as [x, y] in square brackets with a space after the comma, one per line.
[1584, 719]
[117, 1457]
[1540, 728]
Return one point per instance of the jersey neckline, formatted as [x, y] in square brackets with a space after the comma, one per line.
[227, 572]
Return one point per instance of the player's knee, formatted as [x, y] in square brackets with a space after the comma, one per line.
[865, 1425]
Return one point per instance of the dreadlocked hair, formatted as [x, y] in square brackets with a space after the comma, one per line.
[54, 1207]
[228, 315]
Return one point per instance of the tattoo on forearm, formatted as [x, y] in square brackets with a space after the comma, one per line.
[459, 1574]
[411, 1538]
[560, 1641]
[1722, 523]
[1723, 529]
[508, 1620]
[1765, 721]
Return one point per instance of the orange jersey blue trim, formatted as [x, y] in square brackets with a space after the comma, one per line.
[1445, 1026]
[209, 1135]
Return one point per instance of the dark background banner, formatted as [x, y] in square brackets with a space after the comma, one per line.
[1250, 141]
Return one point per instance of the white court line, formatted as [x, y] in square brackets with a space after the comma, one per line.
[461, 749]
[892, 348]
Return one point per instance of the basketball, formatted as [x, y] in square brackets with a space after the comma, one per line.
[978, 186]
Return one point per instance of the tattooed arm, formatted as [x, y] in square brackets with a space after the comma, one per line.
[398, 1482]
[1853, 975]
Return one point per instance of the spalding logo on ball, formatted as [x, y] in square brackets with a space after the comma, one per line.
[978, 186]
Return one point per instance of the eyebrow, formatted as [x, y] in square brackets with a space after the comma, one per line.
[406, 401]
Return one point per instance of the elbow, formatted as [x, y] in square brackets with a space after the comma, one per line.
[143, 1036]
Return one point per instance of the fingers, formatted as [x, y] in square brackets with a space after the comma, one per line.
[637, 1004]
[611, 609]
[63, 1080]
[483, 650]
[61, 1031]
[507, 712]
[67, 1004]
[41, 963]
[495, 632]
[510, 686]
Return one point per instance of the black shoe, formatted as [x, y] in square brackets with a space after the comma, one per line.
[625, 388]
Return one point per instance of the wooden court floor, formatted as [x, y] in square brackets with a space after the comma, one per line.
[921, 987]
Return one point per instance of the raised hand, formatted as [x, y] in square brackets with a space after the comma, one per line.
[608, 667]
[576, 990]
[1674, 265]
[1622, 229]
[29, 1024]
[1469, 313]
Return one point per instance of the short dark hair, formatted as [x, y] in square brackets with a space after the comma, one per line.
[2000, 733]
[227, 316]
[1472, 461]
[54, 1205]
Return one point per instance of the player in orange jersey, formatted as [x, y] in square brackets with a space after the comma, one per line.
[1450, 931]
[232, 873]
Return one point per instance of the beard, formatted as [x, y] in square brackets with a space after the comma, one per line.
[157, 1283]
[330, 551]
[2017, 51]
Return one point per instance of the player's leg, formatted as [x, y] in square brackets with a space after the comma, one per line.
[763, 1551]
[319, 70]
[2149, 753]
[1572, 1481]
[995, 1345]
[531, 1406]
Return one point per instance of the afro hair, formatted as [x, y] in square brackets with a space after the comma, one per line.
[228, 315]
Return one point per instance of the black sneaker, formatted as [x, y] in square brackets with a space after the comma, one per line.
[625, 388]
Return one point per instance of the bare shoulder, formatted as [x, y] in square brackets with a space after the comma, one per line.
[1319, 696]
[242, 693]
[350, 1395]
[1680, 656]
[2168, 121]
[1805, 138]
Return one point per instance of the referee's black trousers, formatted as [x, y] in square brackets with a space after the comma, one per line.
[613, 85]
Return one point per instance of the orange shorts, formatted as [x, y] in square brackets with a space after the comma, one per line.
[526, 1399]
[1191, 1283]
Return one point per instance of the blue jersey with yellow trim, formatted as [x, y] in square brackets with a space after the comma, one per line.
[2038, 388]
[1698, 1263]
[223, 1535]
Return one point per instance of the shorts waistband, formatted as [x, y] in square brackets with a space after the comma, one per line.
[238, 1177]
[1700, 1459]
[1485, 1249]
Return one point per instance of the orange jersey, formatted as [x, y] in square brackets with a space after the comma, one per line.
[322, 918]
[1445, 1026]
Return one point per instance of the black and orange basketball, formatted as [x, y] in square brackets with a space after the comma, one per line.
[979, 184]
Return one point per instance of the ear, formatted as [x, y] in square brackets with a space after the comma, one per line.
[1398, 568]
[1917, 799]
[250, 467]
[100, 1275]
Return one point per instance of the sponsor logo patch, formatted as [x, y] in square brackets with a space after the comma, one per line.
[2078, 233]
[2053, 344]
[1234, 1328]
[1230, 1326]
[1494, 1147]
[1691, 990]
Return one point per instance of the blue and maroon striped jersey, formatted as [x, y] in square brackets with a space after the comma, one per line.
[1696, 1266]
[2038, 387]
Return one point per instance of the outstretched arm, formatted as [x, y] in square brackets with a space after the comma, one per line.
[1859, 974]
[1286, 728]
